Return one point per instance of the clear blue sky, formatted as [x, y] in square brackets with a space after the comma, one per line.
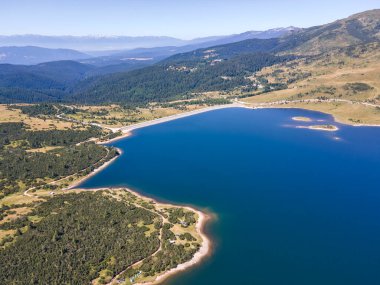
[178, 18]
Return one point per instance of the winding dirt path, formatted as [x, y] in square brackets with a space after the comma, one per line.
[163, 220]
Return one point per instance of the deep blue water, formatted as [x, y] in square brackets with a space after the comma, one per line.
[294, 206]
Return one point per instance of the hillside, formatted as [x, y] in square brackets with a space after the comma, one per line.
[344, 82]
[43, 82]
[148, 56]
[50, 81]
[228, 67]
[56, 81]
[356, 29]
[171, 81]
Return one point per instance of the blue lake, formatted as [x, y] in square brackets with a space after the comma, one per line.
[294, 206]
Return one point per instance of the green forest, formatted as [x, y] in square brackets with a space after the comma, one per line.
[18, 164]
[73, 245]
[167, 81]
[66, 239]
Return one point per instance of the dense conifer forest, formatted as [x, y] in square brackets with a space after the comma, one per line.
[21, 165]
[65, 239]
[170, 81]
[73, 245]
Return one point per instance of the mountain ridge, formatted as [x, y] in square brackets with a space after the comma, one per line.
[98, 43]
[35, 55]
[212, 61]
[224, 67]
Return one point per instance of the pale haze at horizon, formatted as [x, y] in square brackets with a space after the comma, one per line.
[181, 19]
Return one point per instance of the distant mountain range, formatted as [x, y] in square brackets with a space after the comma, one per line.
[228, 66]
[89, 43]
[102, 43]
[35, 49]
[164, 73]
[151, 55]
[35, 55]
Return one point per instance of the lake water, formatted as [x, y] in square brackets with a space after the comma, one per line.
[294, 206]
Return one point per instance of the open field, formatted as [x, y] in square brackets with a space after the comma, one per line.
[354, 78]
[333, 75]
[7, 114]
[44, 149]
[115, 116]
[352, 113]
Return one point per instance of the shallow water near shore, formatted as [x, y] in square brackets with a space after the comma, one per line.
[293, 205]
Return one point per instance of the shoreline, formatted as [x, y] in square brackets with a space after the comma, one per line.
[203, 252]
[128, 130]
[203, 218]
[95, 171]
[140, 125]
[123, 136]
[352, 124]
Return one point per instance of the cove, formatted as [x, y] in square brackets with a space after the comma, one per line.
[293, 206]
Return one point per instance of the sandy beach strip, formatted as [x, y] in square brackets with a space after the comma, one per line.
[122, 136]
[130, 128]
[203, 251]
[95, 171]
